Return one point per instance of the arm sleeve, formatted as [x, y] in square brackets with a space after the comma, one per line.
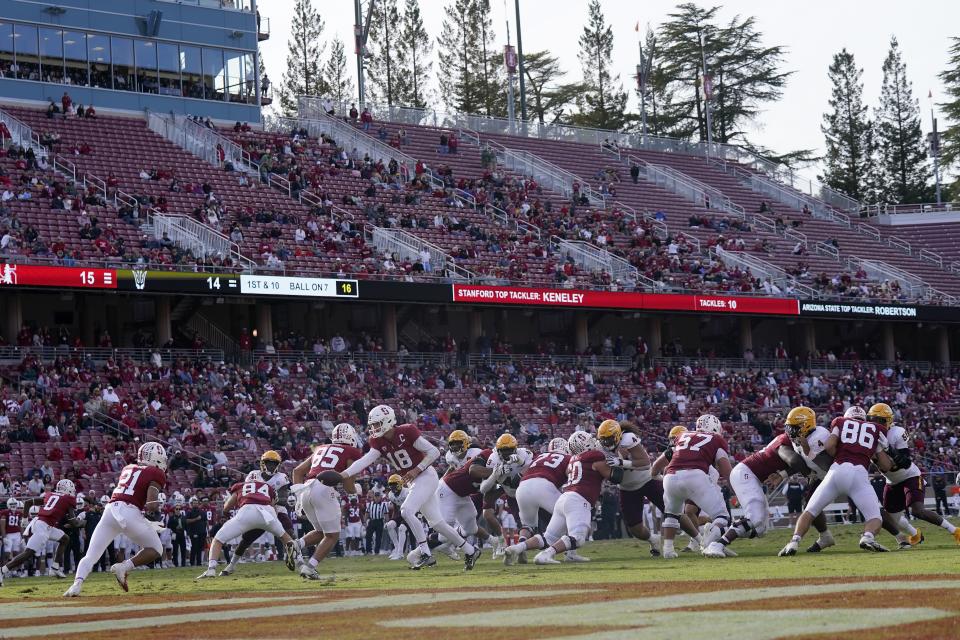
[430, 452]
[488, 484]
[359, 465]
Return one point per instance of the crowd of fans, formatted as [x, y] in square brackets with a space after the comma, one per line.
[218, 416]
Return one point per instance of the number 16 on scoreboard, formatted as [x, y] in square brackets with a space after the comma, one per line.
[347, 288]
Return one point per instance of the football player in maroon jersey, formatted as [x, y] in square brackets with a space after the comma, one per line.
[254, 500]
[10, 529]
[687, 478]
[854, 445]
[321, 503]
[570, 524]
[138, 489]
[57, 508]
[413, 455]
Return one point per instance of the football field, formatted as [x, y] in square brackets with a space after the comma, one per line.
[622, 593]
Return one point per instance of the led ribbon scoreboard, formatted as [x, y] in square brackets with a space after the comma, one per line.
[25, 276]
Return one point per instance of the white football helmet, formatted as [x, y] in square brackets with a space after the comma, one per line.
[855, 412]
[67, 487]
[81, 502]
[179, 502]
[34, 511]
[709, 423]
[580, 441]
[344, 433]
[152, 454]
[12, 504]
[104, 500]
[381, 419]
[558, 445]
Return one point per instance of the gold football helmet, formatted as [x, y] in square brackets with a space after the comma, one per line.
[395, 482]
[609, 433]
[506, 446]
[881, 413]
[458, 441]
[269, 462]
[675, 433]
[800, 422]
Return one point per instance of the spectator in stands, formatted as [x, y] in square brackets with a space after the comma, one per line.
[66, 103]
[366, 119]
[452, 144]
[354, 114]
[444, 142]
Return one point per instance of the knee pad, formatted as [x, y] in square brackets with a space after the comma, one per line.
[671, 521]
[575, 539]
[549, 539]
[721, 523]
[390, 525]
[745, 529]
[407, 512]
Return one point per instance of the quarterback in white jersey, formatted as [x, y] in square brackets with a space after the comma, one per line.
[277, 480]
[905, 488]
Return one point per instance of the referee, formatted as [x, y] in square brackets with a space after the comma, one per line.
[376, 512]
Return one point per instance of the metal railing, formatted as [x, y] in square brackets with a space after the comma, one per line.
[500, 217]
[773, 364]
[102, 354]
[763, 269]
[393, 241]
[874, 210]
[823, 248]
[23, 135]
[586, 135]
[212, 335]
[595, 259]
[198, 238]
[549, 175]
[315, 120]
[446, 359]
[912, 285]
[201, 141]
[685, 186]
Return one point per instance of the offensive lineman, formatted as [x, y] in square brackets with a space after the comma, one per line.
[854, 444]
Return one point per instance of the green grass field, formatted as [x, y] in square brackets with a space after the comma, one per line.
[623, 567]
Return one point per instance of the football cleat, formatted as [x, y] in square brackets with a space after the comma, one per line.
[57, 572]
[917, 538]
[825, 540]
[209, 573]
[789, 550]
[869, 544]
[230, 568]
[470, 559]
[450, 552]
[545, 558]
[714, 550]
[396, 555]
[903, 545]
[292, 556]
[670, 554]
[425, 560]
[74, 590]
[522, 558]
[573, 556]
[308, 572]
[654, 541]
[120, 573]
[510, 556]
[730, 553]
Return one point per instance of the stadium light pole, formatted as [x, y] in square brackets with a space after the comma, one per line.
[935, 147]
[523, 88]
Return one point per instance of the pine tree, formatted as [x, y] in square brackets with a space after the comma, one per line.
[950, 138]
[603, 103]
[902, 164]
[472, 78]
[745, 73]
[335, 72]
[304, 51]
[546, 97]
[848, 132]
[382, 46]
[458, 50]
[415, 51]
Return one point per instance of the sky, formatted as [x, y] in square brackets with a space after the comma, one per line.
[812, 32]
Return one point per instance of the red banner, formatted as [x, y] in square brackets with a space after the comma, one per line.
[28, 275]
[623, 300]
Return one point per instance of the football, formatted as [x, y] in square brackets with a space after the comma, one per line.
[330, 478]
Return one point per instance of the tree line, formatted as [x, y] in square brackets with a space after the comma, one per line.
[875, 156]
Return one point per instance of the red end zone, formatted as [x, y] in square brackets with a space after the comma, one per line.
[485, 294]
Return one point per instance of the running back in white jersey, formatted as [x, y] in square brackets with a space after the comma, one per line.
[897, 439]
